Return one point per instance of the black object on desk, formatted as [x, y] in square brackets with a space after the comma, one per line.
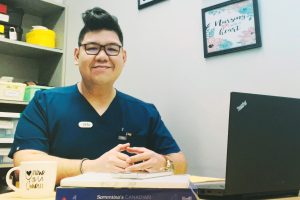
[263, 148]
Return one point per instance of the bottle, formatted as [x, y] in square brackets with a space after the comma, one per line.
[2, 31]
[12, 33]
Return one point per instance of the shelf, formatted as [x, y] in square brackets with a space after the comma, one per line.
[6, 140]
[41, 8]
[10, 115]
[7, 165]
[19, 48]
[3, 101]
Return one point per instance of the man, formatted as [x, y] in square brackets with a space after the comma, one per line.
[91, 126]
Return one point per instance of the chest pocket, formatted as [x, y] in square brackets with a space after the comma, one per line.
[135, 138]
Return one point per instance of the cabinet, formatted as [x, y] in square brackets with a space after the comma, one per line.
[28, 62]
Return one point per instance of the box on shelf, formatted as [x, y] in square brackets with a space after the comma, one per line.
[2, 31]
[4, 18]
[31, 89]
[8, 127]
[12, 91]
[4, 159]
[7, 133]
[15, 16]
[8, 124]
[3, 8]
[41, 35]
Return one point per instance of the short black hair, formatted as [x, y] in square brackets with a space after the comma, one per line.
[98, 19]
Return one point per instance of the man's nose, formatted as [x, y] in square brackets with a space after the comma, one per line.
[102, 52]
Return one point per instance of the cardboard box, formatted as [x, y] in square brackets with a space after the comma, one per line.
[12, 91]
[3, 8]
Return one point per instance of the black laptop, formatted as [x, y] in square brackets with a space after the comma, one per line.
[263, 152]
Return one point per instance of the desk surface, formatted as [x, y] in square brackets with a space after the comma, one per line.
[13, 196]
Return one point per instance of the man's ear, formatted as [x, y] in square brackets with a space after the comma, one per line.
[124, 55]
[76, 56]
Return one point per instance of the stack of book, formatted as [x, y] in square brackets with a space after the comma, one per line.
[94, 186]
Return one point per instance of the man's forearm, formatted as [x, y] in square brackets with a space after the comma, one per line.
[65, 167]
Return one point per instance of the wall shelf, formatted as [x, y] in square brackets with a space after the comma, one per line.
[3, 101]
[6, 140]
[29, 62]
[19, 48]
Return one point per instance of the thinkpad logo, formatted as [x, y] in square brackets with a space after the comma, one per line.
[242, 106]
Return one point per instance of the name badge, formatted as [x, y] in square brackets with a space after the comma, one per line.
[85, 124]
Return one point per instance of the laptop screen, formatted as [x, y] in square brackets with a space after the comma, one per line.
[263, 144]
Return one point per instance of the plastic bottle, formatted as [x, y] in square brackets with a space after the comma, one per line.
[12, 33]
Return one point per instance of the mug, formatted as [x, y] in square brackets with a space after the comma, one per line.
[36, 179]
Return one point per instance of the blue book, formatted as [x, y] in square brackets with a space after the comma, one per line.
[93, 193]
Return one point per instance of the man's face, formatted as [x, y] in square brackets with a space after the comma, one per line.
[100, 69]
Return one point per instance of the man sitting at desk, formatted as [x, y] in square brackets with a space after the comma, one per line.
[91, 126]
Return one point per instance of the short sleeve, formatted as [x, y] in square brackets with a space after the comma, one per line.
[31, 131]
[162, 140]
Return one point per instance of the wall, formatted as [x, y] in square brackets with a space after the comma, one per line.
[166, 66]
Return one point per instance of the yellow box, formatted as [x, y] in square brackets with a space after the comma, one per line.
[12, 91]
[43, 37]
[1, 28]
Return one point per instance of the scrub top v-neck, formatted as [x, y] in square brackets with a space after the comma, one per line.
[61, 122]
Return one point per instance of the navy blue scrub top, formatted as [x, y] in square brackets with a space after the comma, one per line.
[50, 123]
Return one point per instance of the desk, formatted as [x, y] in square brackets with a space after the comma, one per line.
[13, 196]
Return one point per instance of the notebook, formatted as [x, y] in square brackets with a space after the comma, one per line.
[263, 148]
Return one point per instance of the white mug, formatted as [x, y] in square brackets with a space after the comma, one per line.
[36, 179]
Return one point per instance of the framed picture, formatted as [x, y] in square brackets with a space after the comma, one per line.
[145, 3]
[230, 26]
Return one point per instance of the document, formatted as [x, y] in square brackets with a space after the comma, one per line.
[108, 180]
[202, 179]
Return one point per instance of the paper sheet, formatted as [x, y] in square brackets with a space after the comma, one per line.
[202, 179]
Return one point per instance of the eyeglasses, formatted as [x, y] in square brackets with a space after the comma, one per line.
[95, 48]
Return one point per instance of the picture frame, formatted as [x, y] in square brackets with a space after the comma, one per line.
[146, 3]
[230, 27]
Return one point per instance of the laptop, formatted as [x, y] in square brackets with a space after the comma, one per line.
[263, 149]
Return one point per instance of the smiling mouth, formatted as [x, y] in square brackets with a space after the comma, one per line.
[102, 67]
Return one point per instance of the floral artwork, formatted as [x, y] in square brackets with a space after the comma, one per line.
[230, 25]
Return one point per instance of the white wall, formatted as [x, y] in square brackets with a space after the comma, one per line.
[166, 66]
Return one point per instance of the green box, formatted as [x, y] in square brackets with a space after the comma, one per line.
[31, 89]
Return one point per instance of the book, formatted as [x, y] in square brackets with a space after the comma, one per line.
[94, 179]
[79, 193]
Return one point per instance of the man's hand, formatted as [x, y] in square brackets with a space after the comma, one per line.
[112, 161]
[145, 160]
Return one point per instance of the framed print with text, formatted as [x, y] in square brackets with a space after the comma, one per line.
[145, 3]
[230, 26]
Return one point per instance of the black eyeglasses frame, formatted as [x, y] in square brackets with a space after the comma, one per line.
[101, 47]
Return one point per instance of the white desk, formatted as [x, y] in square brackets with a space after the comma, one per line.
[14, 196]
